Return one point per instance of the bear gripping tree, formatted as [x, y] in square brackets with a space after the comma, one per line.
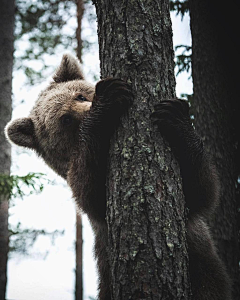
[145, 211]
[140, 241]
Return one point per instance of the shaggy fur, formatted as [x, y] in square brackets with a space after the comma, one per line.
[208, 275]
[70, 128]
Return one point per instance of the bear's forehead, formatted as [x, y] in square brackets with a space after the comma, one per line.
[58, 99]
[67, 90]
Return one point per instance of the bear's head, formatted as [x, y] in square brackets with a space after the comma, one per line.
[52, 127]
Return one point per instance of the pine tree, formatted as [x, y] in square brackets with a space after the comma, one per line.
[135, 40]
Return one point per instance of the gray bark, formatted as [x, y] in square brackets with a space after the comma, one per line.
[6, 62]
[214, 65]
[145, 214]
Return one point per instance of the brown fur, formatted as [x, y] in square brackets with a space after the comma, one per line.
[208, 275]
[73, 136]
[42, 131]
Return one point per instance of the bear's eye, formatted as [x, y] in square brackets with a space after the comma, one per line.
[67, 120]
[81, 98]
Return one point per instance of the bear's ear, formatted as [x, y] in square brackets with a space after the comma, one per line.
[68, 70]
[21, 132]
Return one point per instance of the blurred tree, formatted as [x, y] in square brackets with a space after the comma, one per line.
[79, 239]
[14, 186]
[215, 66]
[6, 65]
[43, 28]
[215, 109]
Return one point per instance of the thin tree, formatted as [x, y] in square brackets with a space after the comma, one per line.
[145, 215]
[216, 109]
[43, 41]
[79, 239]
[6, 64]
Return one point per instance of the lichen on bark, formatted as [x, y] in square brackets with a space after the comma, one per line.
[145, 203]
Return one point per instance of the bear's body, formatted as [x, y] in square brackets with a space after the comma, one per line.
[70, 128]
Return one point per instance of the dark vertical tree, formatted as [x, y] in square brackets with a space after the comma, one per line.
[80, 12]
[215, 106]
[79, 259]
[79, 239]
[146, 219]
[6, 64]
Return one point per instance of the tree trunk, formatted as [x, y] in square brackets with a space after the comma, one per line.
[214, 66]
[79, 239]
[80, 12]
[6, 63]
[145, 203]
[79, 260]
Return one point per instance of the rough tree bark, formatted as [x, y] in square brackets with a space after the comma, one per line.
[6, 63]
[214, 67]
[145, 215]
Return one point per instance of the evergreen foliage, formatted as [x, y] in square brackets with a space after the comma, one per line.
[19, 186]
[44, 28]
[180, 7]
[40, 31]
[183, 60]
[22, 240]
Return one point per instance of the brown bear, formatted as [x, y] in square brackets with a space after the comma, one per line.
[70, 128]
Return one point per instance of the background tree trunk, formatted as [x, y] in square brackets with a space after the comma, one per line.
[6, 63]
[214, 66]
[80, 12]
[146, 217]
[79, 239]
[79, 260]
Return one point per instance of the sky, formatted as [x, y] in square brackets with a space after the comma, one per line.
[48, 273]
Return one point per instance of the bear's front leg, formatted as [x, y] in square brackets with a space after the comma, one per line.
[200, 183]
[87, 175]
[208, 276]
[112, 98]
